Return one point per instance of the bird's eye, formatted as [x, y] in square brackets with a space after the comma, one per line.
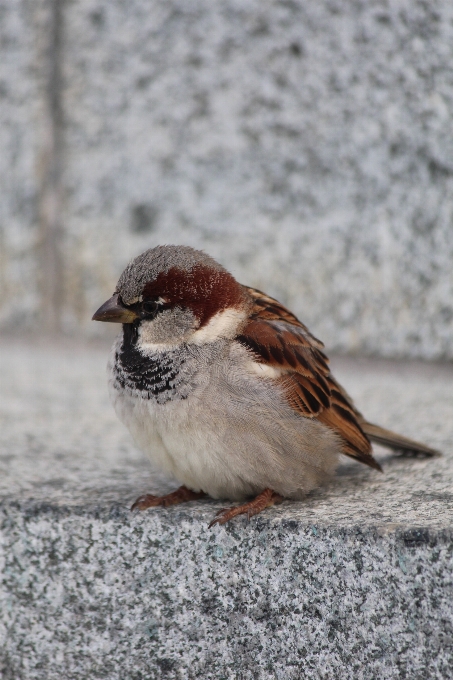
[150, 308]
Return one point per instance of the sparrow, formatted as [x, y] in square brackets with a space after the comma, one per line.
[225, 389]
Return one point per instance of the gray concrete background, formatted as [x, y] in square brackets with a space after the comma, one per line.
[354, 582]
[305, 144]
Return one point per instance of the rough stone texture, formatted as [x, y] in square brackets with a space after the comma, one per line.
[357, 581]
[23, 26]
[306, 144]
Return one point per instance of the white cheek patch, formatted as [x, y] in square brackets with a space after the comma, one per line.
[222, 325]
[263, 370]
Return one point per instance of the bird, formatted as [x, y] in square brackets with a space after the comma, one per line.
[225, 389]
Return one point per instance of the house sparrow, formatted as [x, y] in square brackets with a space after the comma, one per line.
[225, 389]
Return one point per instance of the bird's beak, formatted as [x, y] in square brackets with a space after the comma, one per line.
[113, 310]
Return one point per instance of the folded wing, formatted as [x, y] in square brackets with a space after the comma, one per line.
[277, 338]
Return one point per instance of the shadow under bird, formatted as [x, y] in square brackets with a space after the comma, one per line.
[225, 389]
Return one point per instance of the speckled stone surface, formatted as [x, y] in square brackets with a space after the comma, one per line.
[23, 62]
[307, 144]
[354, 582]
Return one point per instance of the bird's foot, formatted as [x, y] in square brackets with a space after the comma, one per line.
[181, 495]
[265, 499]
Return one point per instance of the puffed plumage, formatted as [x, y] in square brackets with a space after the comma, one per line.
[225, 389]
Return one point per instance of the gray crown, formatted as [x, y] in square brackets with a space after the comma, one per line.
[147, 266]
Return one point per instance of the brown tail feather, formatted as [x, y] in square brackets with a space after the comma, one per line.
[362, 457]
[395, 441]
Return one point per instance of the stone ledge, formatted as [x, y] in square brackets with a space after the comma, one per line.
[99, 593]
[356, 581]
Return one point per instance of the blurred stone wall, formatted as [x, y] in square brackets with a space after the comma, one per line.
[307, 144]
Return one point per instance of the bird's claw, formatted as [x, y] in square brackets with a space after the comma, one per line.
[146, 501]
[181, 495]
[221, 517]
[265, 499]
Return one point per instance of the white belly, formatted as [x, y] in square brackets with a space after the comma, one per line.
[181, 445]
[231, 437]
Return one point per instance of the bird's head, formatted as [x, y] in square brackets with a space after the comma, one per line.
[174, 294]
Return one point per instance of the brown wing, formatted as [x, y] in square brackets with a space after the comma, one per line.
[277, 338]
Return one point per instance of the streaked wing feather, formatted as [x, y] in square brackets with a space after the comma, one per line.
[277, 338]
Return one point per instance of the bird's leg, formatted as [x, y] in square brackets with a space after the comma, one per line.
[181, 495]
[265, 499]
